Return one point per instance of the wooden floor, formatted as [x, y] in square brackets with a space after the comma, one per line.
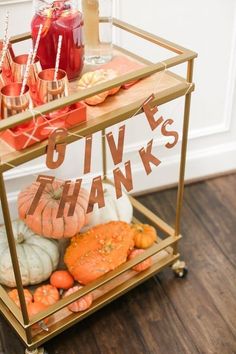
[167, 315]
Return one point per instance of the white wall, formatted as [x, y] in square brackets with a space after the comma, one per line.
[209, 28]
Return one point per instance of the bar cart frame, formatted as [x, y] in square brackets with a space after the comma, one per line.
[19, 319]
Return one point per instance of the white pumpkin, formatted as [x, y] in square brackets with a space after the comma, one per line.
[38, 257]
[114, 210]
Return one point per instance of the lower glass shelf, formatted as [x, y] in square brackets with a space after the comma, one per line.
[104, 290]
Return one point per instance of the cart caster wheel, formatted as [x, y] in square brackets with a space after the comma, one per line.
[36, 351]
[179, 268]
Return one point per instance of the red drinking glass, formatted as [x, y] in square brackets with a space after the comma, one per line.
[59, 18]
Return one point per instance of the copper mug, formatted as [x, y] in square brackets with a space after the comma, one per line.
[18, 71]
[49, 89]
[7, 63]
[12, 102]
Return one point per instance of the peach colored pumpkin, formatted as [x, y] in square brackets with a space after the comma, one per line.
[13, 294]
[99, 250]
[81, 304]
[62, 279]
[46, 294]
[143, 265]
[96, 77]
[44, 221]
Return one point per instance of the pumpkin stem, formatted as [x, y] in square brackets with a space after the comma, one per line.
[57, 194]
[138, 228]
[20, 238]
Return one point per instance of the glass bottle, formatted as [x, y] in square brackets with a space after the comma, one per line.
[59, 17]
[97, 34]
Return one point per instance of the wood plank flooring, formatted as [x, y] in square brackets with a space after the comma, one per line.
[167, 315]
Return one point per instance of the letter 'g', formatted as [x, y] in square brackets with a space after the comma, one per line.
[60, 148]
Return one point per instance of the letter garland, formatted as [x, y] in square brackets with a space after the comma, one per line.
[96, 192]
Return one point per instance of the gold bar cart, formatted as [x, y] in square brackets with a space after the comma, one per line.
[165, 250]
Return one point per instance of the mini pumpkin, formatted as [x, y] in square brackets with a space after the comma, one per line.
[62, 279]
[144, 235]
[44, 221]
[96, 77]
[114, 210]
[99, 250]
[143, 265]
[37, 256]
[81, 304]
[46, 294]
[13, 294]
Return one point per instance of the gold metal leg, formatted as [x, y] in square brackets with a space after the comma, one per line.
[183, 154]
[182, 164]
[104, 155]
[12, 248]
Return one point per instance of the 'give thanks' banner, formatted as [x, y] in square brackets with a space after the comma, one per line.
[121, 179]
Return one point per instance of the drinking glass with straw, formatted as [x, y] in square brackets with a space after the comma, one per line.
[19, 68]
[15, 97]
[53, 83]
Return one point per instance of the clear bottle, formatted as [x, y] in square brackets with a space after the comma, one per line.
[97, 34]
[60, 17]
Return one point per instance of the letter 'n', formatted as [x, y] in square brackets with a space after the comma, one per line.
[120, 178]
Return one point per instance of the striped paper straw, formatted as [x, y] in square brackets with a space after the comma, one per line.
[37, 43]
[26, 75]
[6, 23]
[4, 52]
[58, 57]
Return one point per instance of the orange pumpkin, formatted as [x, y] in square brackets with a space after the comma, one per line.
[46, 294]
[62, 279]
[13, 294]
[44, 221]
[81, 304]
[143, 265]
[96, 252]
[144, 235]
[96, 77]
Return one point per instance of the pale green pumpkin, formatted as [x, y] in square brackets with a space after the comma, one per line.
[38, 257]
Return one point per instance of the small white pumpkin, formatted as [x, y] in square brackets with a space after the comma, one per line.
[114, 210]
[38, 257]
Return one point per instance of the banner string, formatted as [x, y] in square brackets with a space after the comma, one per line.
[52, 127]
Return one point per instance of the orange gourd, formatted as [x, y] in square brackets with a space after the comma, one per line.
[81, 304]
[44, 221]
[62, 279]
[144, 235]
[47, 295]
[99, 250]
[13, 294]
[96, 77]
[143, 265]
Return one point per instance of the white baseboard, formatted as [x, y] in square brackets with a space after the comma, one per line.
[200, 164]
